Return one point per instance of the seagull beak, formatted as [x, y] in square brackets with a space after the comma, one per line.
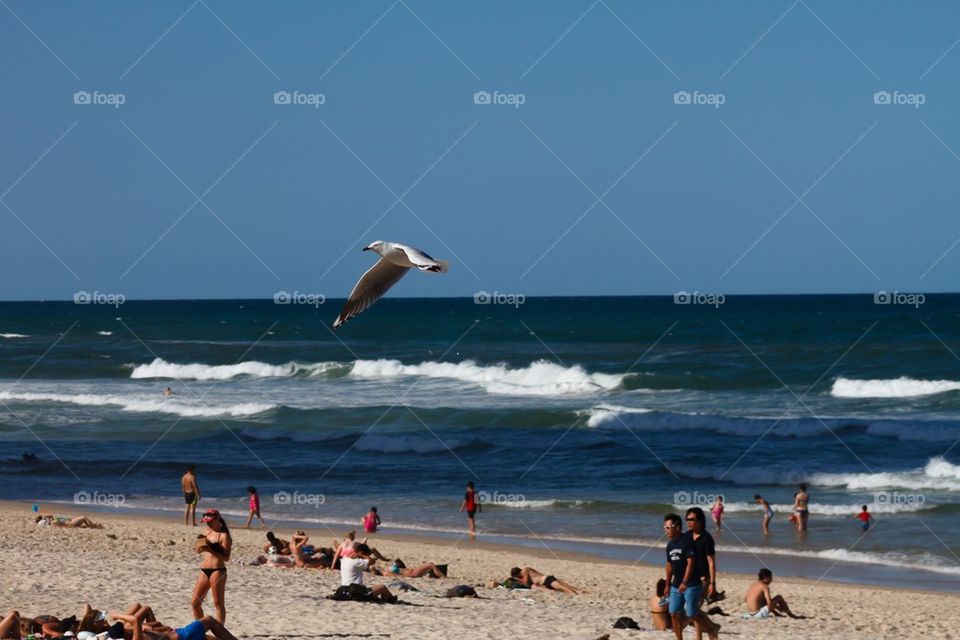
[366, 249]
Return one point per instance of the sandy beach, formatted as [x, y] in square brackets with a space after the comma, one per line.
[151, 560]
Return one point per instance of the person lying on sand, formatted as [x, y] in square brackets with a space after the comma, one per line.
[303, 553]
[536, 580]
[140, 623]
[759, 602]
[280, 545]
[80, 522]
[398, 568]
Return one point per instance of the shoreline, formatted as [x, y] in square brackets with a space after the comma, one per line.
[744, 563]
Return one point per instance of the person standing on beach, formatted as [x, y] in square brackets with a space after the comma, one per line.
[214, 544]
[716, 510]
[705, 559]
[191, 494]
[255, 507]
[801, 507]
[864, 518]
[685, 583]
[767, 512]
[472, 507]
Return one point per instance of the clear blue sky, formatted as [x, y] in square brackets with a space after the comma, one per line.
[598, 83]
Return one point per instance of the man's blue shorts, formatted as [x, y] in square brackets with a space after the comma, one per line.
[688, 601]
[193, 631]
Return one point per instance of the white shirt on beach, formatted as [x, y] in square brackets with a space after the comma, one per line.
[351, 570]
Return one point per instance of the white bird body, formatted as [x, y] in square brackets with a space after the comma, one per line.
[395, 261]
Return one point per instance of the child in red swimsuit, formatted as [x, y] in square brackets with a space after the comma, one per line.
[254, 507]
[864, 518]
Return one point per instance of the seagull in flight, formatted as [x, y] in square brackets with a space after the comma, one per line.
[395, 260]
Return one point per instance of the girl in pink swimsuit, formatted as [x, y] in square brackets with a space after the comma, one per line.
[717, 512]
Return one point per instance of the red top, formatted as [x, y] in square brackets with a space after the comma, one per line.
[254, 502]
[863, 516]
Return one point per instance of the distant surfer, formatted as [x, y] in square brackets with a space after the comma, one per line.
[168, 391]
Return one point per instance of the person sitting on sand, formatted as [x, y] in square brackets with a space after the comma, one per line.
[659, 612]
[351, 573]
[346, 549]
[536, 580]
[759, 602]
[280, 545]
[398, 568]
[143, 625]
[80, 522]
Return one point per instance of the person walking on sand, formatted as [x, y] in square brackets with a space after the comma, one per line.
[767, 512]
[214, 544]
[864, 518]
[685, 583]
[371, 521]
[705, 559]
[191, 495]
[801, 507]
[472, 507]
[255, 507]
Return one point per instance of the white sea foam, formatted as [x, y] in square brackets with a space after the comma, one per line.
[104, 333]
[144, 404]
[845, 510]
[936, 475]
[540, 378]
[160, 368]
[13, 335]
[902, 387]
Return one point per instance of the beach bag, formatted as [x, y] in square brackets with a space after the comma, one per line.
[355, 592]
[626, 623]
[461, 591]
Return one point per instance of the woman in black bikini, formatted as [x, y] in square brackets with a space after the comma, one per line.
[214, 544]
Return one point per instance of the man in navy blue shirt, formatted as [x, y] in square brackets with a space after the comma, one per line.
[686, 587]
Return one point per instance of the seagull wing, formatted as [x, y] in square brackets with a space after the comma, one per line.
[372, 285]
[424, 261]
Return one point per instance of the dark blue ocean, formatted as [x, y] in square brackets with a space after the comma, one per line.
[583, 419]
